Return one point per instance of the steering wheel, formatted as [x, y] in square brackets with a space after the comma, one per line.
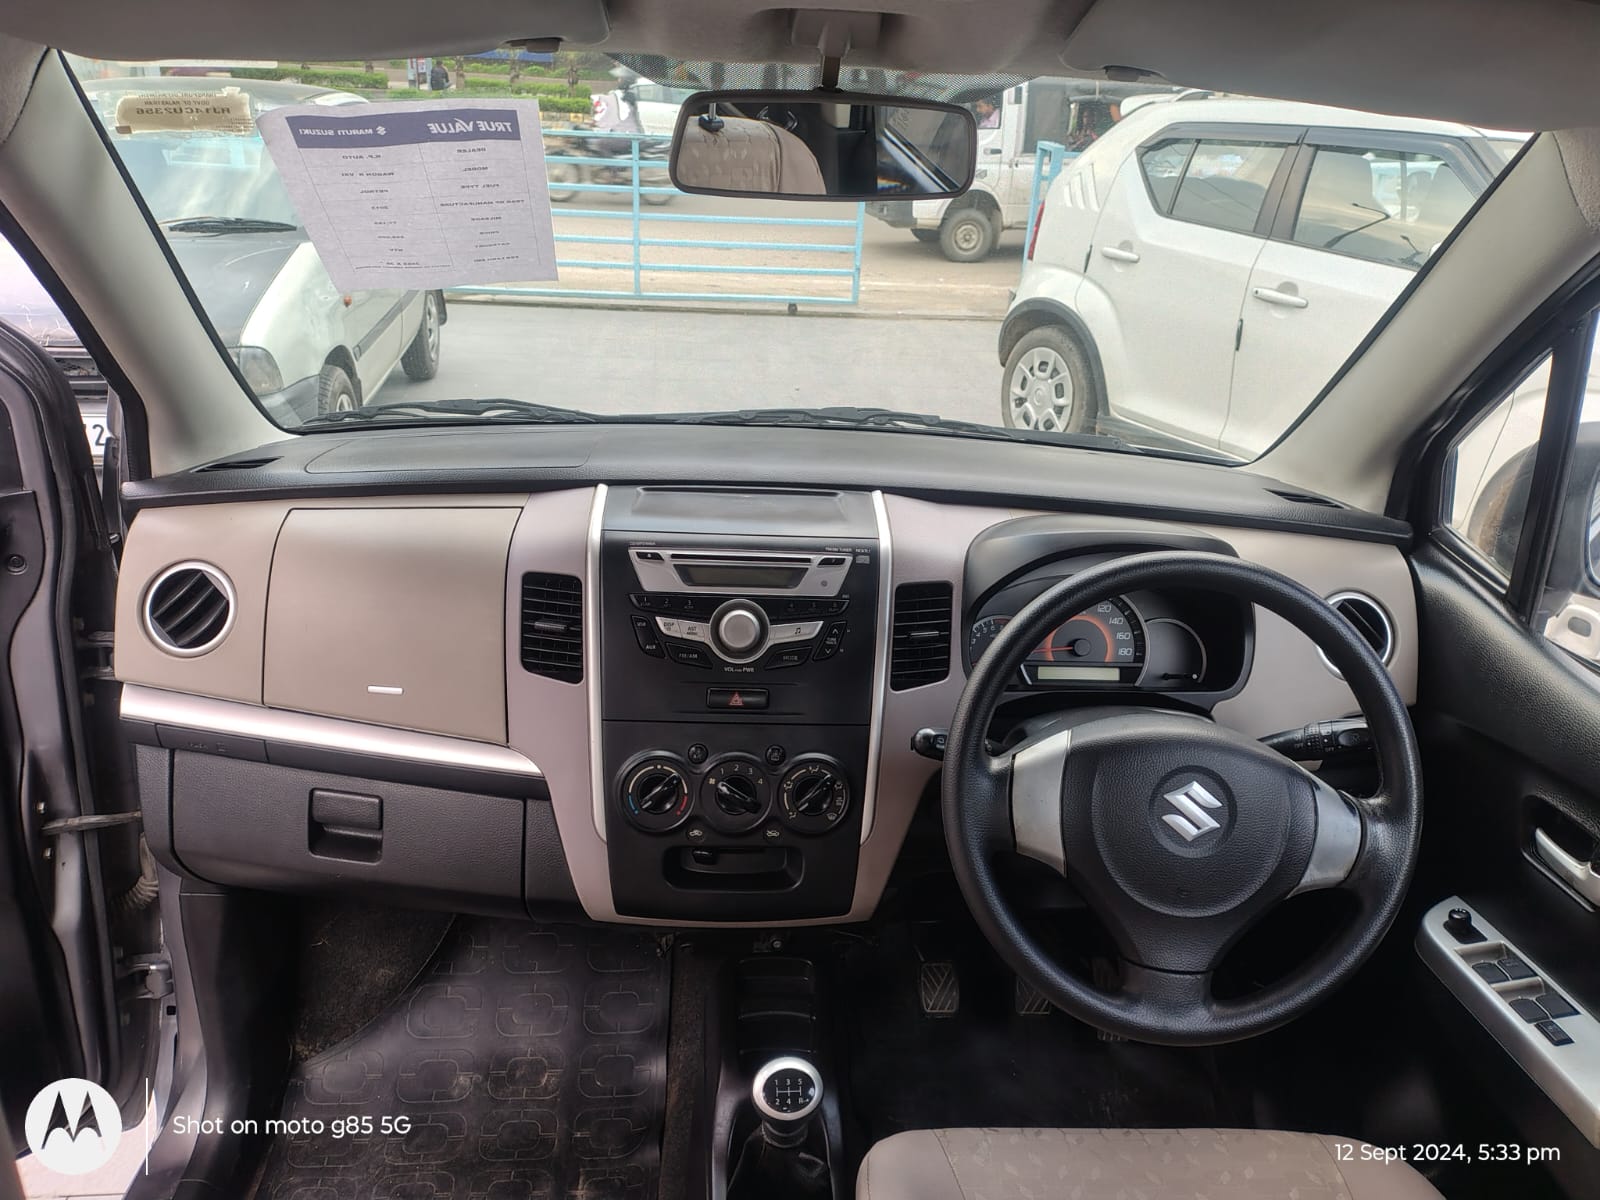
[1178, 833]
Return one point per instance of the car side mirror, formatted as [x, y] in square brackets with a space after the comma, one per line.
[822, 145]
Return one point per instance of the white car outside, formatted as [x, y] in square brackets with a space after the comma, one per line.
[1210, 263]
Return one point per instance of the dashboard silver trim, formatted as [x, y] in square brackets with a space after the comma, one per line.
[591, 654]
[157, 706]
[880, 670]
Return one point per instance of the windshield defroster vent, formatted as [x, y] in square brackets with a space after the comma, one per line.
[552, 626]
[188, 610]
[920, 647]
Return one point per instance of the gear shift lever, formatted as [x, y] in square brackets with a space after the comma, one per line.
[786, 1092]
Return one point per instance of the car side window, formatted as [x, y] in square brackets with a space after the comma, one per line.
[1225, 184]
[1386, 206]
[1491, 500]
[1568, 610]
[1491, 470]
[1162, 165]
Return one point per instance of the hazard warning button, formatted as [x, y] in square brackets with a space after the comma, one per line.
[753, 699]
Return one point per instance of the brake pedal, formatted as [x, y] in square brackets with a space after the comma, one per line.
[1028, 1000]
[939, 989]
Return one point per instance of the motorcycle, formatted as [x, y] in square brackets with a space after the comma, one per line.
[616, 112]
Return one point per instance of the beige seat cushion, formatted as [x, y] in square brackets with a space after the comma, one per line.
[1129, 1164]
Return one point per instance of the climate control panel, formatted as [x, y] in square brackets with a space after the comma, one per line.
[734, 793]
[734, 820]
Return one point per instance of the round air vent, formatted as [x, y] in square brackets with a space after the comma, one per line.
[188, 610]
[1369, 619]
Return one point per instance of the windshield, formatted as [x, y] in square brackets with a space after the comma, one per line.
[1134, 267]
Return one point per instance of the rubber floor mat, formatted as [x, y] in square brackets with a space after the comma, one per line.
[527, 1062]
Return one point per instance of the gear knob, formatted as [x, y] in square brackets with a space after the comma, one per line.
[786, 1092]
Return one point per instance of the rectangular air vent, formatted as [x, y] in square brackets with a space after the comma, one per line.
[552, 626]
[920, 647]
[1304, 498]
[236, 464]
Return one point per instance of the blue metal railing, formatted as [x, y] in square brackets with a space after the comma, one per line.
[1048, 159]
[647, 185]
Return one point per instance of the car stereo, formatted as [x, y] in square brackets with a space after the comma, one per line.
[741, 667]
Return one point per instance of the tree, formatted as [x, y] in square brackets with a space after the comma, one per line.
[461, 72]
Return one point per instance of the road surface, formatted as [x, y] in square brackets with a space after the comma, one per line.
[669, 360]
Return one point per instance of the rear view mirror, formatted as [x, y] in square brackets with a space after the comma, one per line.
[822, 146]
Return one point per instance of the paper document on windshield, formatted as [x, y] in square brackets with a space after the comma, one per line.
[418, 195]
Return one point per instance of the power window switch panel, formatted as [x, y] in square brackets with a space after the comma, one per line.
[1561, 1056]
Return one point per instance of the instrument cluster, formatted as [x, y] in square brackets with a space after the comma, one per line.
[1169, 641]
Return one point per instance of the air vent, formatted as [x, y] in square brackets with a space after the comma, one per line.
[1305, 498]
[1368, 618]
[188, 610]
[552, 626]
[236, 464]
[920, 652]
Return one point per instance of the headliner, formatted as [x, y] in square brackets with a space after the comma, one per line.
[1520, 64]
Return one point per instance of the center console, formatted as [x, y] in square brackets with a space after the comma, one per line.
[742, 681]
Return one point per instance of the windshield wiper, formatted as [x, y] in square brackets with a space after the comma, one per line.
[893, 419]
[227, 225]
[520, 412]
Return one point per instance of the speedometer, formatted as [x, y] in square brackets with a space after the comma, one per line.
[1103, 644]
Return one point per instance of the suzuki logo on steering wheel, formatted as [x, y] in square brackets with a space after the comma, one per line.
[1191, 820]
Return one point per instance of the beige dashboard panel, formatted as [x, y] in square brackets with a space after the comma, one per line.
[392, 615]
[237, 539]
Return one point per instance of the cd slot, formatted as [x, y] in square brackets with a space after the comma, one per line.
[741, 572]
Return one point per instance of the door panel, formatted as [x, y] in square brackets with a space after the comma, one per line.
[65, 769]
[1162, 301]
[1304, 312]
[1510, 732]
[1509, 725]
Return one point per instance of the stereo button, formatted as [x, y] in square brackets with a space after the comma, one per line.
[689, 655]
[646, 635]
[831, 641]
[779, 659]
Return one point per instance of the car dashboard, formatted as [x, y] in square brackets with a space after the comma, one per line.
[506, 671]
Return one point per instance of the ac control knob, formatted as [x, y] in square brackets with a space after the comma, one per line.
[739, 631]
[655, 793]
[814, 795]
[735, 794]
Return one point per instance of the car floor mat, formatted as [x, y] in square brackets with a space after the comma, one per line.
[528, 1062]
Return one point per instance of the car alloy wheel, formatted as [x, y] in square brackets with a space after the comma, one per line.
[1041, 391]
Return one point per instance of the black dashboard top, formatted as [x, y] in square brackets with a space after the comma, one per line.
[457, 460]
